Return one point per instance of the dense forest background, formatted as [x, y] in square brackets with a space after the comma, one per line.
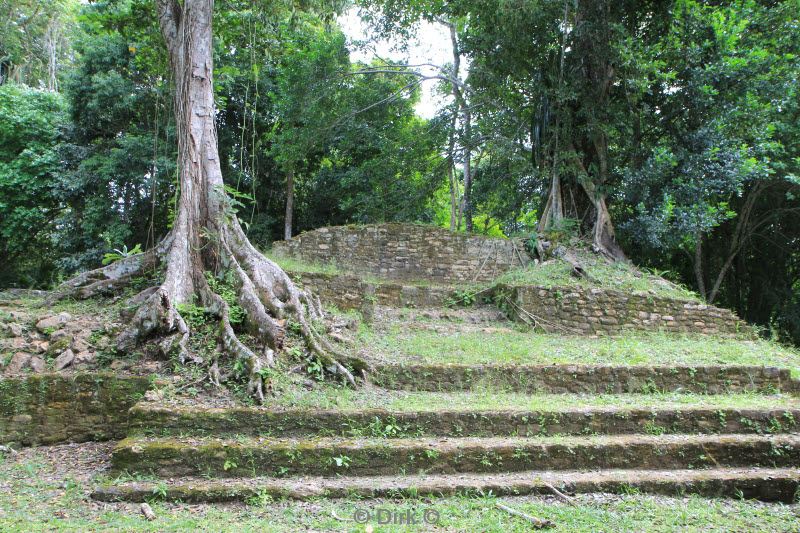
[672, 126]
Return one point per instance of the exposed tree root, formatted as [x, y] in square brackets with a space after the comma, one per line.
[270, 300]
[111, 278]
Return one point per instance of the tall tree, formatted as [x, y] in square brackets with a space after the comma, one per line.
[30, 191]
[33, 39]
[306, 97]
[206, 235]
[402, 19]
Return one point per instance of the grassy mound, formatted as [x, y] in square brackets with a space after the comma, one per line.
[617, 276]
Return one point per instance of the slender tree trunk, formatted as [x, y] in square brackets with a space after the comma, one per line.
[451, 172]
[51, 39]
[740, 236]
[465, 209]
[451, 176]
[287, 222]
[467, 198]
[698, 264]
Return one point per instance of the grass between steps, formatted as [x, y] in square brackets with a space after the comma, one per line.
[38, 494]
[492, 345]
[628, 513]
[328, 397]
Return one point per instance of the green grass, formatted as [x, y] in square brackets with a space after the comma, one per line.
[618, 276]
[399, 343]
[347, 399]
[291, 264]
[33, 499]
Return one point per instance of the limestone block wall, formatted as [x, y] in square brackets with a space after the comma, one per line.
[351, 292]
[52, 408]
[584, 379]
[407, 251]
[584, 310]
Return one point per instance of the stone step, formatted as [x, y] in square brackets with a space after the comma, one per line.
[252, 457]
[592, 379]
[155, 419]
[768, 484]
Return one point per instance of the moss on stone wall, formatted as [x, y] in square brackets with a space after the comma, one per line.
[579, 310]
[407, 251]
[52, 408]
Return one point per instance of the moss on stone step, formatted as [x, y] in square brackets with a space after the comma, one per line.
[163, 420]
[768, 484]
[251, 457]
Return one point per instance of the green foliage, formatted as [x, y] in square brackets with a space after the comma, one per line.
[462, 298]
[30, 184]
[160, 491]
[682, 116]
[30, 30]
[342, 461]
[194, 315]
[223, 285]
[315, 368]
[118, 254]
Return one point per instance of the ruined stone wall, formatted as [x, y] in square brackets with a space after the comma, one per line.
[407, 251]
[569, 310]
[52, 408]
[351, 292]
[583, 310]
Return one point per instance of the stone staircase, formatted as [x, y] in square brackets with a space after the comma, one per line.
[218, 454]
[709, 444]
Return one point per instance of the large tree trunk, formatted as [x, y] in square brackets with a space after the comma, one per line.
[206, 236]
[553, 212]
[604, 240]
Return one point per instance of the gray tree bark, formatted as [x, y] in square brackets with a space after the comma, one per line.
[287, 219]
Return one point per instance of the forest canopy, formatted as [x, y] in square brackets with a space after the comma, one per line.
[665, 133]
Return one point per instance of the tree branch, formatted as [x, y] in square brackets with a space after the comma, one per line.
[740, 236]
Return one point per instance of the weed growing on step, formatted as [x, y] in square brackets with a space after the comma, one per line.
[341, 461]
